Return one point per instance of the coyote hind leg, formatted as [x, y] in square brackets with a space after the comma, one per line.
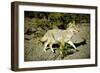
[51, 48]
[45, 46]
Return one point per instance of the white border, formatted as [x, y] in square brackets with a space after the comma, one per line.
[33, 64]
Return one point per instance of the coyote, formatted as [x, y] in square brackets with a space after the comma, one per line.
[59, 36]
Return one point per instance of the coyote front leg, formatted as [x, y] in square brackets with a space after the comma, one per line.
[71, 43]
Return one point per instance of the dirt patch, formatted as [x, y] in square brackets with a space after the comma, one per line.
[34, 48]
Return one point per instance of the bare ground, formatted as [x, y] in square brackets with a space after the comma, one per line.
[34, 48]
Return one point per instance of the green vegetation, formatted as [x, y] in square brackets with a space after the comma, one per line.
[38, 23]
[49, 20]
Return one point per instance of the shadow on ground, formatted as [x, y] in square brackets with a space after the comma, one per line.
[34, 48]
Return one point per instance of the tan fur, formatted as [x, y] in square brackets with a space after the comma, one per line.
[57, 35]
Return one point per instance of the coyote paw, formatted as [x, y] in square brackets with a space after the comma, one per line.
[53, 51]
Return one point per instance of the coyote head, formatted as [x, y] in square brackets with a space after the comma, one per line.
[72, 27]
[76, 29]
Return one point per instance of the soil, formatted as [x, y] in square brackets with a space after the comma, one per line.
[33, 48]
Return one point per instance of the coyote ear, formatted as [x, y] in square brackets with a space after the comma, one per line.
[71, 24]
[78, 26]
